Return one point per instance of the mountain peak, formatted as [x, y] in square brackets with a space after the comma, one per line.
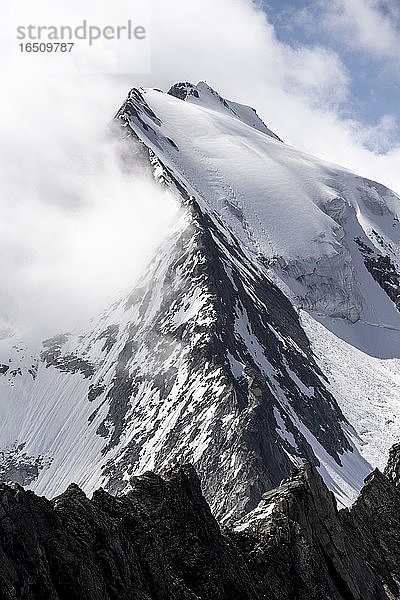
[182, 90]
[234, 350]
[204, 95]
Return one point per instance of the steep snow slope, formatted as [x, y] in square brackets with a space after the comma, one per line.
[207, 360]
[299, 214]
[203, 95]
[362, 363]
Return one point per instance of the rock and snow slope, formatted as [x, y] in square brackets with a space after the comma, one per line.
[207, 359]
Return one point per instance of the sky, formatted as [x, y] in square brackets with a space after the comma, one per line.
[323, 75]
[365, 36]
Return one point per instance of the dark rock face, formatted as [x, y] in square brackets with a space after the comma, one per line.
[157, 542]
[52, 355]
[382, 269]
[182, 90]
[136, 109]
[374, 521]
[392, 470]
[305, 548]
[160, 542]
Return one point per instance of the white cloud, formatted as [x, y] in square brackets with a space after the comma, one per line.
[315, 74]
[232, 42]
[72, 223]
[296, 90]
[378, 138]
[368, 25]
[75, 227]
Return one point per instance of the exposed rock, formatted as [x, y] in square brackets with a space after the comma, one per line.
[161, 542]
[53, 356]
[17, 466]
[382, 269]
[299, 546]
[392, 470]
[182, 90]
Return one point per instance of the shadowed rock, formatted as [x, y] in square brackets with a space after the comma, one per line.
[392, 470]
[161, 542]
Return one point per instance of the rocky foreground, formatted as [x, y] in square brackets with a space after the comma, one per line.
[160, 542]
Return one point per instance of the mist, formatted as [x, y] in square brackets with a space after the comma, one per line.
[77, 226]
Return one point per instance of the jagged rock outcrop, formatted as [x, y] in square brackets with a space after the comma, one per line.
[392, 470]
[374, 525]
[161, 542]
[382, 268]
[298, 543]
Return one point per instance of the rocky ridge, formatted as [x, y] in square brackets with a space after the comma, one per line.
[161, 542]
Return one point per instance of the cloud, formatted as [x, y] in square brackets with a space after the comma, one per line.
[368, 25]
[297, 90]
[74, 227]
[378, 138]
[233, 43]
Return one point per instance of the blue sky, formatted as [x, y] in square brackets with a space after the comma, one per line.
[365, 36]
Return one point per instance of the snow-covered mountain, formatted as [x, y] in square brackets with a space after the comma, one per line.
[265, 331]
